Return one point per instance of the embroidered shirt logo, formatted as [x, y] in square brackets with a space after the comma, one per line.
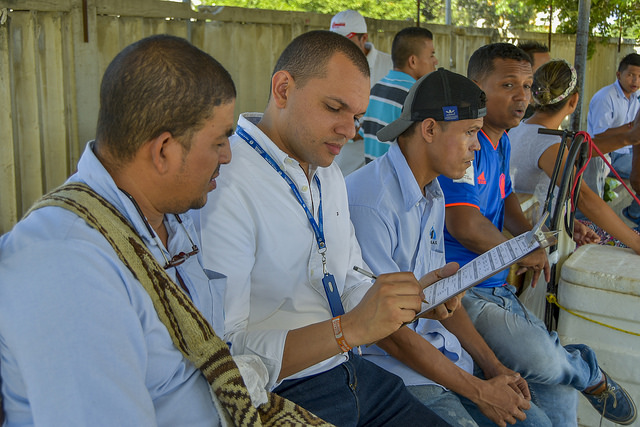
[433, 236]
[482, 179]
[450, 113]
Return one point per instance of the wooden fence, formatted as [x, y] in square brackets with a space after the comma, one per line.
[53, 54]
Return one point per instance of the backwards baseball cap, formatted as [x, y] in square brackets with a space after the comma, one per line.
[348, 23]
[441, 95]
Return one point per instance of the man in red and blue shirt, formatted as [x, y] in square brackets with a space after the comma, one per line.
[478, 206]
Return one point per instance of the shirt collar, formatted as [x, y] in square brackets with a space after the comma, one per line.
[400, 75]
[92, 172]
[411, 192]
[634, 96]
[249, 121]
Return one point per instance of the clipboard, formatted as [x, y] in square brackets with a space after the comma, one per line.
[486, 265]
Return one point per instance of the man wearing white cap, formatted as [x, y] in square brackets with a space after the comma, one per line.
[351, 24]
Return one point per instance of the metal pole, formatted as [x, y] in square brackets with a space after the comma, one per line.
[418, 14]
[447, 12]
[580, 62]
[550, 25]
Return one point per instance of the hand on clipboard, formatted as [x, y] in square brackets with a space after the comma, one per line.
[486, 265]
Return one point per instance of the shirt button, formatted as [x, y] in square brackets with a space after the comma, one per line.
[305, 188]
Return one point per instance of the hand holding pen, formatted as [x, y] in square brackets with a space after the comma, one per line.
[441, 311]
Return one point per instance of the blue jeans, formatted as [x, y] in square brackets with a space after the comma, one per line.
[522, 343]
[359, 393]
[462, 412]
[621, 163]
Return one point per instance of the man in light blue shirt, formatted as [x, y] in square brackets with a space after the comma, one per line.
[81, 343]
[413, 56]
[611, 109]
[397, 209]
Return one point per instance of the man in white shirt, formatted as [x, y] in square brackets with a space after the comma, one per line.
[351, 24]
[281, 233]
[613, 106]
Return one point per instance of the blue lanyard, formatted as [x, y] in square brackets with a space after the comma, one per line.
[328, 281]
[317, 226]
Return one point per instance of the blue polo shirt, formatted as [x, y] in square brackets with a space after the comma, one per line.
[484, 186]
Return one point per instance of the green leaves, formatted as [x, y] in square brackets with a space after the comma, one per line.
[609, 18]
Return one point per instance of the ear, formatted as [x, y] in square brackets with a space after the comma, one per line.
[411, 62]
[428, 130]
[281, 84]
[163, 151]
[573, 101]
[618, 75]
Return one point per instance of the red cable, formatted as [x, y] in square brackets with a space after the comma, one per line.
[592, 145]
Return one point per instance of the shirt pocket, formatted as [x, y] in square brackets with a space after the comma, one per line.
[217, 287]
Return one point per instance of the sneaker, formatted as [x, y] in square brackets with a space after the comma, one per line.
[613, 403]
[627, 215]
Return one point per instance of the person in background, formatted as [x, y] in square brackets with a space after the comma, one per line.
[478, 207]
[397, 210]
[413, 56]
[611, 109]
[282, 235]
[351, 24]
[533, 156]
[539, 54]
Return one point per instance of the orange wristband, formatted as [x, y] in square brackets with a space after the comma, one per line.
[337, 332]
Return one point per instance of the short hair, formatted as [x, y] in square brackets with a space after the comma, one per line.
[553, 83]
[307, 56]
[481, 62]
[630, 59]
[407, 42]
[532, 47]
[158, 84]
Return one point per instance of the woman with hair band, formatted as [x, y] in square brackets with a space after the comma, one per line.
[556, 93]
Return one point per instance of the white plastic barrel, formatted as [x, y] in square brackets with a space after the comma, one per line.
[603, 284]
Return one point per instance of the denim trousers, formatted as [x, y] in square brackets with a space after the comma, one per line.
[522, 343]
[621, 163]
[359, 393]
[462, 412]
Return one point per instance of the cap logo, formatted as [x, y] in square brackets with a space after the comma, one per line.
[450, 113]
[338, 24]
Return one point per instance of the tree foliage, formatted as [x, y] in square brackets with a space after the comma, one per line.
[608, 18]
[612, 18]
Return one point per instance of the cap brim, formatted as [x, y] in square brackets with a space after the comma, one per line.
[394, 129]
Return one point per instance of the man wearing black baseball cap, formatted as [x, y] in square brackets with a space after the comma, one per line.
[397, 209]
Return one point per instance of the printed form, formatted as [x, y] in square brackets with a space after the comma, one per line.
[481, 268]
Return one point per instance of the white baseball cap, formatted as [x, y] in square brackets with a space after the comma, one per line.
[348, 23]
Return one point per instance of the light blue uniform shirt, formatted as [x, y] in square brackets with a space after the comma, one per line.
[80, 341]
[400, 229]
[610, 108]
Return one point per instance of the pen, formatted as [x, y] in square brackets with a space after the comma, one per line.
[373, 276]
[365, 272]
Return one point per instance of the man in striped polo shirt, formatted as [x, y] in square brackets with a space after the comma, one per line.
[413, 56]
